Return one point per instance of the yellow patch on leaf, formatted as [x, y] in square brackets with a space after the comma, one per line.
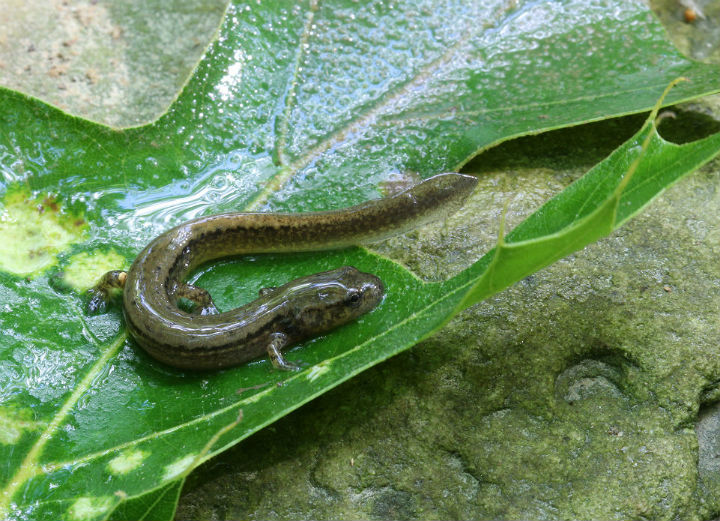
[34, 231]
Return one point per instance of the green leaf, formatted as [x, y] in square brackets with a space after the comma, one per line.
[158, 504]
[587, 210]
[298, 108]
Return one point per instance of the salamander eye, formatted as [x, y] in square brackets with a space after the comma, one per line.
[354, 298]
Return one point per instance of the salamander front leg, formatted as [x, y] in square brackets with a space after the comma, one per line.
[277, 342]
[200, 297]
[100, 293]
[264, 292]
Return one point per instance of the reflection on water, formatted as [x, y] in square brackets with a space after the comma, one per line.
[226, 186]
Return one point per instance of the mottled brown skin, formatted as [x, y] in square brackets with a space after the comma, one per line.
[280, 317]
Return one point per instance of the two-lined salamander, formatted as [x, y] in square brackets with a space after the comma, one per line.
[280, 317]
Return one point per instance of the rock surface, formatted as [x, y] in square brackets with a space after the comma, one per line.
[587, 391]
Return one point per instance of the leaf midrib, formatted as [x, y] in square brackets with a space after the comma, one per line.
[288, 171]
[29, 466]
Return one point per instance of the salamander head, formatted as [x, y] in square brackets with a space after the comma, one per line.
[326, 300]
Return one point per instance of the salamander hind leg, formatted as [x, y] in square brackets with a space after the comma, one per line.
[277, 342]
[100, 293]
[198, 296]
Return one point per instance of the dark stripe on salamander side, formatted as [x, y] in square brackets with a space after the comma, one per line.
[279, 322]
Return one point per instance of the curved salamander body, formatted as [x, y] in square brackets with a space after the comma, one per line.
[280, 317]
